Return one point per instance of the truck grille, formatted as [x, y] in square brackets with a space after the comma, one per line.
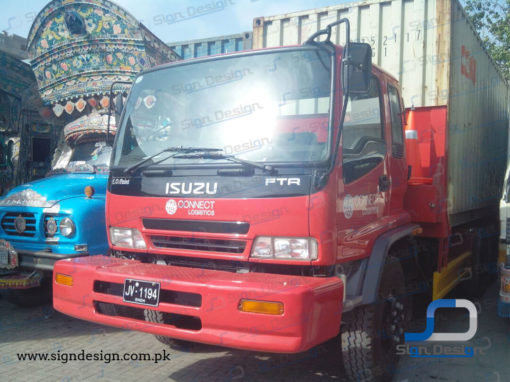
[198, 244]
[508, 230]
[10, 228]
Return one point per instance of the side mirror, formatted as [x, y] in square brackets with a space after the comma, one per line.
[359, 68]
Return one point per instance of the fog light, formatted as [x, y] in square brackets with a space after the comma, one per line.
[263, 307]
[64, 279]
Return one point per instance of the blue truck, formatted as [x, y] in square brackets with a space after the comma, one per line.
[57, 217]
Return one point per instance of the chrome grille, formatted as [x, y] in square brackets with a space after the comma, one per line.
[199, 244]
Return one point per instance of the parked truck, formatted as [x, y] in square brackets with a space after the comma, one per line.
[82, 54]
[276, 199]
[50, 218]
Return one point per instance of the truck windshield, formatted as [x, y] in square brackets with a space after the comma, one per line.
[267, 107]
[84, 157]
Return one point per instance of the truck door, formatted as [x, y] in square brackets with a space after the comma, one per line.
[397, 160]
[364, 183]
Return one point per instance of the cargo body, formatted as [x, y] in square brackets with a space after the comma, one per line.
[432, 49]
[211, 46]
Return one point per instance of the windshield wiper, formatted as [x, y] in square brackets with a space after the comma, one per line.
[231, 158]
[176, 150]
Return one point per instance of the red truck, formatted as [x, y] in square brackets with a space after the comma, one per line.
[266, 201]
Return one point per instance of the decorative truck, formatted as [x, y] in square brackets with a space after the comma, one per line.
[276, 199]
[49, 219]
[81, 53]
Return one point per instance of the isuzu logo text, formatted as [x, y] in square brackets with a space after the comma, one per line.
[194, 188]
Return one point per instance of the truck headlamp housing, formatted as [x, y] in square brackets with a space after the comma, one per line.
[284, 248]
[67, 227]
[127, 238]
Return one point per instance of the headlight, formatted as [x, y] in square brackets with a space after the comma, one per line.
[291, 248]
[127, 238]
[67, 227]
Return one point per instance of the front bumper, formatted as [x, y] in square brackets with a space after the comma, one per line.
[27, 274]
[312, 305]
[43, 260]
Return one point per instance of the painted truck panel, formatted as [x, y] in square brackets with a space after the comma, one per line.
[432, 49]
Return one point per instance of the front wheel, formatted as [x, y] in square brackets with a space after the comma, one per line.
[370, 333]
[157, 317]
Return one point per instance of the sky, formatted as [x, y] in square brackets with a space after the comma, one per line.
[173, 20]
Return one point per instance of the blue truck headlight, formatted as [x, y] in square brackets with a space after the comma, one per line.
[67, 227]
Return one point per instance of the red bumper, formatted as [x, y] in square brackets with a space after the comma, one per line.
[312, 306]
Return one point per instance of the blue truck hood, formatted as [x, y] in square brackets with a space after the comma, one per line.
[49, 191]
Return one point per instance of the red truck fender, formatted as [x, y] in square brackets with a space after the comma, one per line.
[367, 278]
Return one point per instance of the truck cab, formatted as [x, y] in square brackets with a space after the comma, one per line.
[57, 217]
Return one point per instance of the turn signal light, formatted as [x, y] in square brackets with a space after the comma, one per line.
[89, 191]
[263, 307]
[64, 279]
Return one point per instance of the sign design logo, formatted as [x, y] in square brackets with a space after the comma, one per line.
[429, 335]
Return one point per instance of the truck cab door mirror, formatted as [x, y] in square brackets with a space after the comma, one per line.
[359, 68]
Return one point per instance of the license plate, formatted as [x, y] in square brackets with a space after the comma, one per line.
[141, 292]
[8, 256]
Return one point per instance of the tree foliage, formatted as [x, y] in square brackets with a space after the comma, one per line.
[491, 19]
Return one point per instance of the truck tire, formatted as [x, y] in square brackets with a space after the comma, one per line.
[157, 317]
[370, 333]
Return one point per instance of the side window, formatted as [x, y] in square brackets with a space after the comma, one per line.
[397, 133]
[363, 145]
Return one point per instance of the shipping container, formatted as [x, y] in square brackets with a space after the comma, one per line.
[212, 46]
[433, 50]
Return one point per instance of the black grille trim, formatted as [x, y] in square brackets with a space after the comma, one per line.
[167, 296]
[197, 226]
[199, 244]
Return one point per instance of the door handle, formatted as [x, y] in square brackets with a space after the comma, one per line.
[384, 183]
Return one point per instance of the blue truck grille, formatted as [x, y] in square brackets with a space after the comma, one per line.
[10, 228]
